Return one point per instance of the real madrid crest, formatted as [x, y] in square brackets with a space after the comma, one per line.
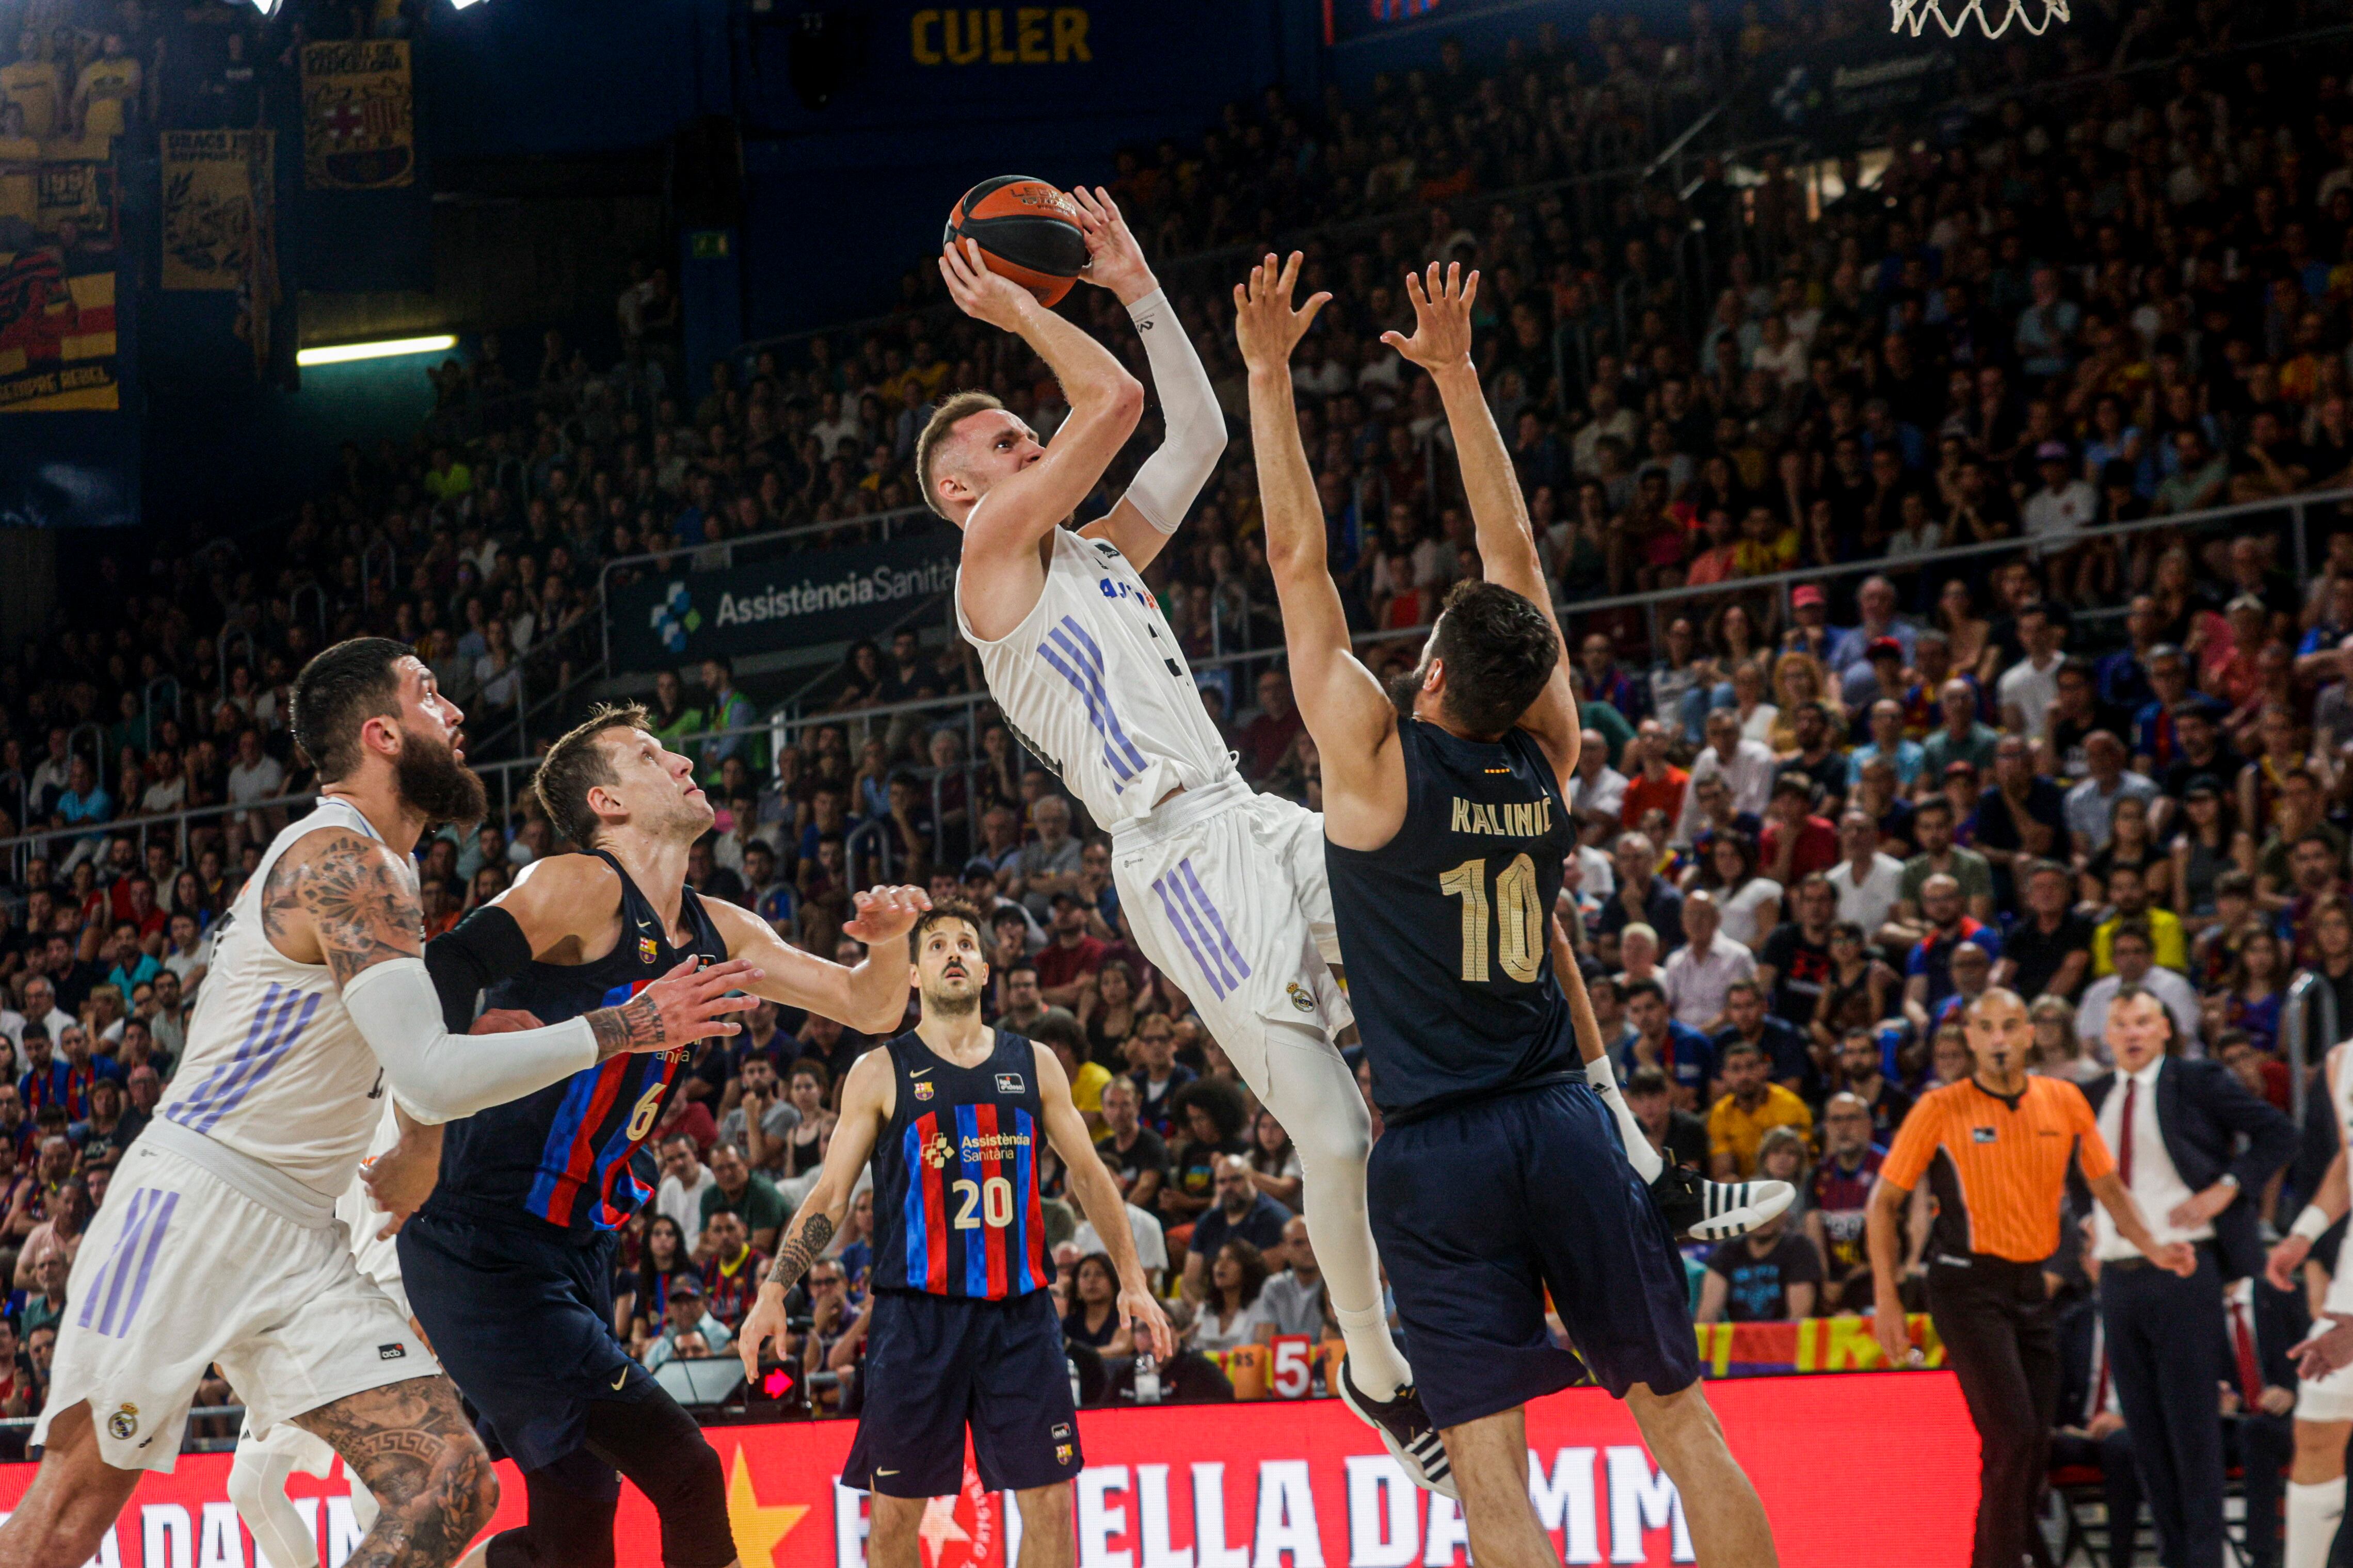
[123, 1424]
[1300, 996]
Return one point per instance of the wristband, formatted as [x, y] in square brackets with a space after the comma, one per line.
[2311, 1223]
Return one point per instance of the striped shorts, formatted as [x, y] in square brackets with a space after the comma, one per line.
[199, 1256]
[1227, 894]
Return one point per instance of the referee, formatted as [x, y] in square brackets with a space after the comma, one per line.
[1995, 1149]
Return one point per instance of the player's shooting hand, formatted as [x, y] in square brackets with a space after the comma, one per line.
[1264, 323]
[2286, 1256]
[1441, 319]
[764, 1323]
[504, 1021]
[979, 293]
[885, 914]
[1137, 1307]
[1114, 260]
[687, 1005]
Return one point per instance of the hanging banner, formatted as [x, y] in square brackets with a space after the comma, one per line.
[210, 222]
[359, 116]
[58, 341]
[1300, 1481]
[809, 596]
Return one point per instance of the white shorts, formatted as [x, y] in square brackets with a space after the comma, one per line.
[202, 1256]
[1226, 891]
[2330, 1399]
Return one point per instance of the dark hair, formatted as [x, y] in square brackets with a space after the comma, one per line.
[577, 764]
[1738, 1048]
[1499, 648]
[1645, 988]
[337, 693]
[947, 909]
[1646, 1079]
[1253, 1263]
[1056, 1027]
[2138, 931]
[1223, 1103]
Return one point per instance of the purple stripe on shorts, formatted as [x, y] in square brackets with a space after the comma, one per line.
[1224, 941]
[1197, 937]
[1185, 934]
[147, 1259]
[110, 1275]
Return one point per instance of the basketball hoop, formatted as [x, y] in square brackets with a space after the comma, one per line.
[2034, 16]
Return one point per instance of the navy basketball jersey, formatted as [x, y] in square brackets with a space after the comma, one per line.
[1444, 930]
[956, 1207]
[573, 1155]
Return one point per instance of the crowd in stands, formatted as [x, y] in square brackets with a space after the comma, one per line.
[1813, 824]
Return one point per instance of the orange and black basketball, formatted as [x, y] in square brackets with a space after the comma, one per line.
[1027, 232]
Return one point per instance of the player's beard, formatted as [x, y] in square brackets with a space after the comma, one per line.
[1404, 688]
[940, 1003]
[434, 782]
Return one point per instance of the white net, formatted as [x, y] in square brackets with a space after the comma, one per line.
[2034, 16]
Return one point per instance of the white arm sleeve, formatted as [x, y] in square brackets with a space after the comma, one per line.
[436, 1076]
[1169, 480]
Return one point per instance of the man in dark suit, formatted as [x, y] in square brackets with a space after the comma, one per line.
[2174, 1127]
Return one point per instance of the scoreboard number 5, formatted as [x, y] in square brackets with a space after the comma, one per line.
[991, 1199]
[1520, 922]
[1295, 1366]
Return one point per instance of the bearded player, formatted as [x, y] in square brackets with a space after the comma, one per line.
[1498, 1188]
[963, 1332]
[509, 1262]
[219, 1243]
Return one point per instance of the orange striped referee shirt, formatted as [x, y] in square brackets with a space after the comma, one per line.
[1996, 1167]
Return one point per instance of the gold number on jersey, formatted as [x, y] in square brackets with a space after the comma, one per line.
[1520, 930]
[641, 1119]
[991, 1199]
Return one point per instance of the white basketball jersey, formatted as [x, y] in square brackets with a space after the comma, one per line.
[2340, 1283]
[1093, 685]
[275, 1069]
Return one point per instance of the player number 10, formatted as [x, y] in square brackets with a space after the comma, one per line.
[993, 1198]
[1519, 929]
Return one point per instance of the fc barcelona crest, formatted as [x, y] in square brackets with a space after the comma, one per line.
[649, 950]
[922, 1089]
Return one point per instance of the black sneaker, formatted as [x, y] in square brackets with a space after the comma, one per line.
[1405, 1428]
[1716, 1211]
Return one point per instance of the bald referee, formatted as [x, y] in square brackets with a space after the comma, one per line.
[1995, 1149]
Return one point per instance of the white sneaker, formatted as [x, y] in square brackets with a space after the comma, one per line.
[1717, 1211]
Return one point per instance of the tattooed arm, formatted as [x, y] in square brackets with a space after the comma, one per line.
[868, 1098]
[348, 902]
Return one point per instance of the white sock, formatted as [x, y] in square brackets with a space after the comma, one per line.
[2314, 1512]
[1375, 1365]
[1638, 1152]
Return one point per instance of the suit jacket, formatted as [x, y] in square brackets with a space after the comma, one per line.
[2201, 1108]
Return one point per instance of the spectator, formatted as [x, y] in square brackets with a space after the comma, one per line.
[1643, 898]
[1838, 1198]
[731, 1268]
[1230, 1312]
[1240, 1212]
[1700, 973]
[1672, 1048]
[1094, 1319]
[1677, 1135]
[1770, 1274]
[2131, 948]
[740, 1190]
[1752, 1104]
[1293, 1300]
[687, 1328]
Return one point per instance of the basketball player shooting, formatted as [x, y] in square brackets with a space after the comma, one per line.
[509, 1260]
[1497, 1181]
[963, 1332]
[219, 1243]
[1224, 887]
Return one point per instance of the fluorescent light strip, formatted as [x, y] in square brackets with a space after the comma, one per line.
[345, 354]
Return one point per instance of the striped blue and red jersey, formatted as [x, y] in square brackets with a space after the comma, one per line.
[575, 1155]
[956, 1206]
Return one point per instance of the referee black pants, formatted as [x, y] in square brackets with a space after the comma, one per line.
[1994, 1318]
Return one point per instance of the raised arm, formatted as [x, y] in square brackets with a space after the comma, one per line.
[1099, 1199]
[1440, 344]
[1105, 402]
[1193, 427]
[1352, 719]
[868, 1098]
[872, 998]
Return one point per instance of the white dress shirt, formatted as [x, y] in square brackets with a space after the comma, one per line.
[684, 1204]
[1869, 899]
[2156, 1186]
[1749, 772]
[1695, 982]
[1605, 792]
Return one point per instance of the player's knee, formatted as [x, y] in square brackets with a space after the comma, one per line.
[1340, 1134]
[248, 1487]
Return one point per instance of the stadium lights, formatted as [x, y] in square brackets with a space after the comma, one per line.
[384, 348]
[460, 4]
[267, 8]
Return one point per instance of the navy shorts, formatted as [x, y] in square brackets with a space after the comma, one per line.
[1478, 1210]
[523, 1324]
[937, 1363]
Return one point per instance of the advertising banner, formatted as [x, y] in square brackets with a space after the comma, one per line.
[359, 116]
[1290, 1485]
[809, 596]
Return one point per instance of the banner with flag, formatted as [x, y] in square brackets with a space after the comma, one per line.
[359, 116]
[58, 337]
[209, 199]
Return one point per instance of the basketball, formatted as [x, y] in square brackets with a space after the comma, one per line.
[1027, 232]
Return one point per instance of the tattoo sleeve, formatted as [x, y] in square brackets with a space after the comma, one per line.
[635, 1026]
[361, 906]
[799, 1253]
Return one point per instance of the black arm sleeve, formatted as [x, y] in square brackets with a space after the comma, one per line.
[485, 948]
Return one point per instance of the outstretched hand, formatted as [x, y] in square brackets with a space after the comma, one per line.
[1441, 318]
[885, 914]
[983, 295]
[1114, 260]
[1264, 323]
